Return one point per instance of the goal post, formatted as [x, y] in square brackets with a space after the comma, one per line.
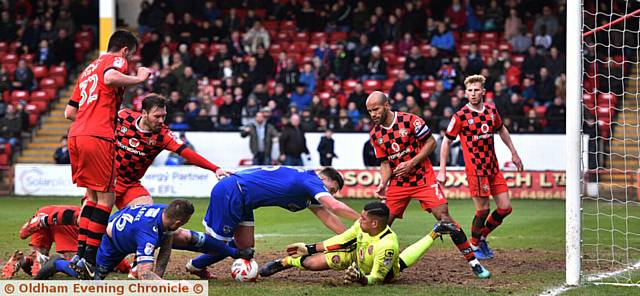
[574, 144]
[603, 143]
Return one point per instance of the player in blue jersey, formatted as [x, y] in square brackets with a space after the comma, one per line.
[230, 214]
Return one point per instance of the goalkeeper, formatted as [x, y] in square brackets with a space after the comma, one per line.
[368, 251]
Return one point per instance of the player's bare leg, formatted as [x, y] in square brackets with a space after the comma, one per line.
[459, 238]
[142, 200]
[244, 236]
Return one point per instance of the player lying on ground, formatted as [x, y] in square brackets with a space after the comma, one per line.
[49, 224]
[402, 142]
[141, 229]
[92, 107]
[233, 199]
[475, 123]
[368, 250]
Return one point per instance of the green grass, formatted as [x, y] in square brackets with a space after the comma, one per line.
[534, 224]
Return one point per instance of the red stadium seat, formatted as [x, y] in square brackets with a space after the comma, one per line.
[301, 37]
[288, 26]
[349, 85]
[388, 48]
[541, 110]
[282, 37]
[371, 85]
[37, 107]
[28, 57]
[317, 37]
[607, 100]
[14, 46]
[40, 95]
[19, 95]
[59, 80]
[3, 46]
[33, 119]
[324, 96]
[51, 92]
[387, 85]
[425, 96]
[48, 83]
[338, 36]
[588, 101]
[469, 37]
[270, 25]
[504, 46]
[9, 69]
[489, 37]
[39, 71]
[5, 159]
[428, 85]
[517, 59]
[10, 58]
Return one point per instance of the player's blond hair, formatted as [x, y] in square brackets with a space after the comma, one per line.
[475, 79]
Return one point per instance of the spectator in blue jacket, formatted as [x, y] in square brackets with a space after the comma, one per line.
[443, 39]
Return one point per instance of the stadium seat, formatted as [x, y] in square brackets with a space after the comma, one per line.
[318, 37]
[541, 110]
[288, 26]
[28, 57]
[489, 37]
[10, 58]
[59, 80]
[9, 69]
[607, 100]
[39, 71]
[387, 85]
[338, 36]
[37, 107]
[270, 25]
[349, 85]
[3, 46]
[33, 119]
[469, 37]
[13, 47]
[425, 96]
[589, 101]
[58, 71]
[5, 159]
[282, 37]
[48, 83]
[40, 95]
[388, 48]
[301, 37]
[517, 59]
[504, 46]
[19, 95]
[372, 85]
[428, 85]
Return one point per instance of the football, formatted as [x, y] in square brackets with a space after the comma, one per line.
[243, 270]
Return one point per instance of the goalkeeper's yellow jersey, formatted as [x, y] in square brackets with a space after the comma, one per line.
[377, 256]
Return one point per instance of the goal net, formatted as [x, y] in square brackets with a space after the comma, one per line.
[610, 171]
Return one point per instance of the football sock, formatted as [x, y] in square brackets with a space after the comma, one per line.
[205, 260]
[477, 225]
[294, 262]
[64, 217]
[410, 255]
[495, 220]
[460, 239]
[97, 227]
[64, 266]
[85, 219]
[203, 243]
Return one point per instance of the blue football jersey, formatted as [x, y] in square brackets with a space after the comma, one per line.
[138, 229]
[289, 188]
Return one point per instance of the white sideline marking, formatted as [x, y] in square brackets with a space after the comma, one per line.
[596, 277]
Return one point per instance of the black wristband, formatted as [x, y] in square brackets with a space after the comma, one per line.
[311, 249]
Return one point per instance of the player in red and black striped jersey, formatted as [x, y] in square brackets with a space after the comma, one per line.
[475, 123]
[402, 142]
[140, 137]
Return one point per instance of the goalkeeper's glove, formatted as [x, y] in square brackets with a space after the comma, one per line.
[354, 275]
[301, 249]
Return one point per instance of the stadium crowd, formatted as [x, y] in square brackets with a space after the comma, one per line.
[221, 64]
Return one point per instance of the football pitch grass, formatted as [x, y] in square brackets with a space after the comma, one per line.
[535, 226]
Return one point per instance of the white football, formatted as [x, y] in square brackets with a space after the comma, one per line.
[243, 270]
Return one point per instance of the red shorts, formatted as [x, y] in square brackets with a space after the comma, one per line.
[125, 193]
[484, 186]
[398, 198]
[92, 163]
[65, 237]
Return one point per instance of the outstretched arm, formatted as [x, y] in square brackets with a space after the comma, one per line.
[115, 78]
[339, 208]
[145, 272]
[506, 138]
[328, 219]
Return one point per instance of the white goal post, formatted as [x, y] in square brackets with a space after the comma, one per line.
[603, 105]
